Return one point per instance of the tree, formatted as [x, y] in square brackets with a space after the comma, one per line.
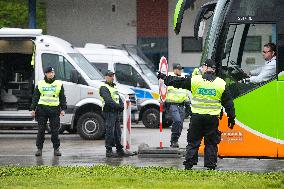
[14, 13]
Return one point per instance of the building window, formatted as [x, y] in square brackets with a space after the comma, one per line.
[190, 44]
[253, 44]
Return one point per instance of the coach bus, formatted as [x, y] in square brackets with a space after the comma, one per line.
[235, 34]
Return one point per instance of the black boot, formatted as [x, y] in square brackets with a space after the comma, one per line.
[109, 153]
[38, 152]
[174, 144]
[211, 168]
[57, 152]
[187, 166]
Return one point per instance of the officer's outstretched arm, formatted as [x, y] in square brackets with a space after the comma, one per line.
[178, 82]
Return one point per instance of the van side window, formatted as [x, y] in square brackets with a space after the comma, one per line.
[102, 67]
[127, 75]
[61, 65]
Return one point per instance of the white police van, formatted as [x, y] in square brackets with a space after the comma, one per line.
[80, 79]
[133, 71]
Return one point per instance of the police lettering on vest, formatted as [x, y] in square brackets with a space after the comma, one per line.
[49, 93]
[206, 95]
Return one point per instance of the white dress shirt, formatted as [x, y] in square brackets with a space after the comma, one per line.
[264, 73]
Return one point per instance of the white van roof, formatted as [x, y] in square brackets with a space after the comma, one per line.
[94, 46]
[18, 32]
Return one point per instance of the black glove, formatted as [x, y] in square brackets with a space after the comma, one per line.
[161, 76]
[221, 114]
[231, 122]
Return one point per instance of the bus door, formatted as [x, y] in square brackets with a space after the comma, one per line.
[240, 53]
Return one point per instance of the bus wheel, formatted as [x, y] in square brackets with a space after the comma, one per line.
[151, 118]
[90, 126]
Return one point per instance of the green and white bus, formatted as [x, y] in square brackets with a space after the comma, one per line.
[236, 33]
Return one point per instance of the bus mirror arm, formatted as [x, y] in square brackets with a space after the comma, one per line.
[210, 6]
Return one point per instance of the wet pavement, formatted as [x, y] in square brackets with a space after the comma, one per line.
[18, 148]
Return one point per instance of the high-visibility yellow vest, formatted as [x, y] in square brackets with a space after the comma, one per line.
[206, 95]
[49, 93]
[177, 95]
[113, 92]
[196, 71]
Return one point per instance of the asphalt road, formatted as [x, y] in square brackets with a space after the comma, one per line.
[17, 147]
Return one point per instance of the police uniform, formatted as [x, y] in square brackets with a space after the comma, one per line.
[112, 107]
[209, 94]
[48, 101]
[176, 98]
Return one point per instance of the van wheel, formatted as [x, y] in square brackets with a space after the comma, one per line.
[90, 126]
[151, 118]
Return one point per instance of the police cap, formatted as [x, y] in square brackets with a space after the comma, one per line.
[210, 63]
[48, 69]
[109, 73]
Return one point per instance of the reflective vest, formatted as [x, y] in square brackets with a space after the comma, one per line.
[196, 71]
[206, 95]
[49, 93]
[177, 95]
[113, 92]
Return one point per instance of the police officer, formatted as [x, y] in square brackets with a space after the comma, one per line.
[112, 107]
[48, 103]
[176, 98]
[209, 94]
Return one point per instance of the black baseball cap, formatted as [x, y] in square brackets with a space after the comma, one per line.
[48, 69]
[177, 66]
[210, 63]
[109, 73]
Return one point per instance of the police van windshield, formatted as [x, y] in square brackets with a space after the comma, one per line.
[149, 74]
[146, 66]
[85, 65]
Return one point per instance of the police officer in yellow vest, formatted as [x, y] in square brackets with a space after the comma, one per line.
[209, 94]
[176, 98]
[112, 107]
[48, 103]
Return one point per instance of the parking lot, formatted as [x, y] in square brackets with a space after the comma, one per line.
[18, 148]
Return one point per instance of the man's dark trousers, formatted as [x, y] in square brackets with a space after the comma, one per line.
[113, 130]
[177, 112]
[43, 114]
[202, 126]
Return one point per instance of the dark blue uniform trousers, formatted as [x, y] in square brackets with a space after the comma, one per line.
[43, 114]
[203, 126]
[177, 113]
[113, 130]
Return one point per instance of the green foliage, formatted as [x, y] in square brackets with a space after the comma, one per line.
[14, 13]
[103, 176]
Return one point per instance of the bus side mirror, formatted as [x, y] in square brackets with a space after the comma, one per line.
[74, 76]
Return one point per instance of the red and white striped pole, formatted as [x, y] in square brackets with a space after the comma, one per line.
[161, 124]
[127, 124]
[163, 89]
